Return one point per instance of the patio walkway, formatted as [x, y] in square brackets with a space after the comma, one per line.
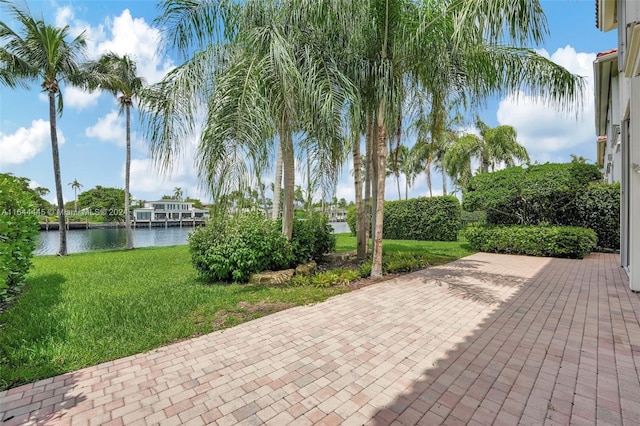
[487, 339]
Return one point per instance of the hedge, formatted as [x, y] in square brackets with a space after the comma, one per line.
[18, 234]
[553, 241]
[418, 219]
[543, 193]
[422, 219]
[597, 207]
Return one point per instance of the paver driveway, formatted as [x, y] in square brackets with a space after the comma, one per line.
[486, 339]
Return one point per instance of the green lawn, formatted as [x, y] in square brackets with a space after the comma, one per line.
[88, 308]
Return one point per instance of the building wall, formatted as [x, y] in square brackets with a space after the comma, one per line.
[629, 104]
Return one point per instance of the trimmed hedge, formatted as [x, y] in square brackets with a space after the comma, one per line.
[418, 219]
[542, 193]
[18, 234]
[597, 207]
[422, 219]
[553, 241]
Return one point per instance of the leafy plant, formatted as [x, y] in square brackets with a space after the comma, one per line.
[231, 249]
[18, 233]
[422, 219]
[312, 238]
[542, 240]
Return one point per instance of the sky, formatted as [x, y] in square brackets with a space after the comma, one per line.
[92, 134]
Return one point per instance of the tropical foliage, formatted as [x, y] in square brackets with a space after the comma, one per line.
[287, 76]
[18, 234]
[108, 202]
[46, 54]
[118, 75]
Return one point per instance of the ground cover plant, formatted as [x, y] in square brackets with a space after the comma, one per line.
[89, 308]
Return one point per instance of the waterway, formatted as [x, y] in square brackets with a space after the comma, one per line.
[83, 240]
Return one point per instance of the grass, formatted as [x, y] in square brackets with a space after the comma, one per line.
[88, 308]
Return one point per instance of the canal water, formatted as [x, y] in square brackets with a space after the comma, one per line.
[83, 240]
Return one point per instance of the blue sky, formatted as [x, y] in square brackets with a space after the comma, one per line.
[92, 132]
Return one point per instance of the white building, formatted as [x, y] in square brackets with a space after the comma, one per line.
[168, 210]
[618, 121]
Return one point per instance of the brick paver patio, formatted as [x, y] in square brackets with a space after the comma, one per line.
[489, 339]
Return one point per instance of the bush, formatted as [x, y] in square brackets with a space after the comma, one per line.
[352, 220]
[18, 234]
[312, 238]
[543, 193]
[555, 241]
[422, 219]
[598, 208]
[231, 249]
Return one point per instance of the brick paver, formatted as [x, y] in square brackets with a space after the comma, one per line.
[488, 339]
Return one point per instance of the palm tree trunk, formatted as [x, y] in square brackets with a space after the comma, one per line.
[75, 196]
[381, 157]
[398, 184]
[367, 185]
[406, 188]
[361, 234]
[288, 172]
[56, 173]
[427, 172]
[127, 175]
[278, 183]
[444, 182]
[374, 174]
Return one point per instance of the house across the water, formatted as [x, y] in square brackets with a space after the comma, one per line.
[166, 210]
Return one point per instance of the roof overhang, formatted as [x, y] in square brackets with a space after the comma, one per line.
[605, 67]
[607, 15]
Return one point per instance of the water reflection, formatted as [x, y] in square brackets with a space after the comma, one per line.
[83, 240]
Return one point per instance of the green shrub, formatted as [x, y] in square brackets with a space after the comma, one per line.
[231, 249]
[555, 241]
[18, 234]
[312, 238]
[352, 219]
[365, 269]
[403, 262]
[528, 196]
[597, 207]
[300, 280]
[422, 219]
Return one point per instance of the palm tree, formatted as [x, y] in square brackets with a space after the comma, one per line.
[262, 80]
[42, 52]
[118, 75]
[177, 193]
[493, 147]
[75, 185]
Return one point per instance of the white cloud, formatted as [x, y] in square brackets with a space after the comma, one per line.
[121, 34]
[544, 130]
[109, 128]
[133, 36]
[79, 98]
[148, 182]
[24, 144]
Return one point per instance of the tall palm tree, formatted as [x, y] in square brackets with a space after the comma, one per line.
[75, 185]
[177, 193]
[262, 80]
[492, 148]
[41, 52]
[118, 75]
